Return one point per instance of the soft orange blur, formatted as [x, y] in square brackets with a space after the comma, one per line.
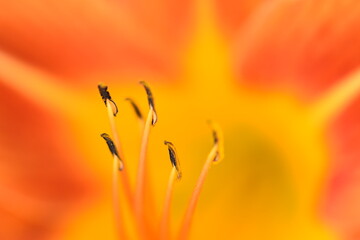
[280, 77]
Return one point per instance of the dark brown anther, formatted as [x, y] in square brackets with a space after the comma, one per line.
[111, 146]
[215, 136]
[136, 108]
[151, 101]
[173, 158]
[105, 95]
[218, 141]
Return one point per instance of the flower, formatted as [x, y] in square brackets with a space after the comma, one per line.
[281, 78]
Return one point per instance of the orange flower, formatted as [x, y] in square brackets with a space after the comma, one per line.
[281, 77]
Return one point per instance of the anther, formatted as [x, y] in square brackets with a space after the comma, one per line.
[105, 95]
[173, 158]
[136, 108]
[112, 149]
[151, 101]
[217, 136]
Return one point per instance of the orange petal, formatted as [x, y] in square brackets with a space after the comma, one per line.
[302, 46]
[77, 37]
[341, 206]
[39, 178]
[233, 14]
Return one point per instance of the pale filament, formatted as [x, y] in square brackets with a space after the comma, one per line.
[186, 224]
[165, 220]
[123, 175]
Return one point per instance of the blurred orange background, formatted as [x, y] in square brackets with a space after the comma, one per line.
[281, 78]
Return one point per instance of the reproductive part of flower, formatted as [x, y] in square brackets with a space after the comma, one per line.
[137, 200]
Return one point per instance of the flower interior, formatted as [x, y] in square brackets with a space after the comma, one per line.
[139, 199]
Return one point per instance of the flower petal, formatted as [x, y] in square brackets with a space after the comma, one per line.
[39, 177]
[343, 189]
[233, 14]
[302, 46]
[74, 38]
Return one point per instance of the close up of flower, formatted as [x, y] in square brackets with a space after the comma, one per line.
[281, 79]
[140, 201]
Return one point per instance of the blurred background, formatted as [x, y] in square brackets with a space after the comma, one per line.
[281, 78]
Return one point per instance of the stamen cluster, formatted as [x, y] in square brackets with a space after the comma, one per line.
[138, 198]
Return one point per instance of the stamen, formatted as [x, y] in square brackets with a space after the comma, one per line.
[214, 155]
[175, 172]
[173, 158]
[117, 165]
[151, 101]
[136, 108]
[143, 195]
[105, 95]
[113, 150]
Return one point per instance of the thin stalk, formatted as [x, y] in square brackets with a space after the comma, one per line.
[165, 219]
[186, 224]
